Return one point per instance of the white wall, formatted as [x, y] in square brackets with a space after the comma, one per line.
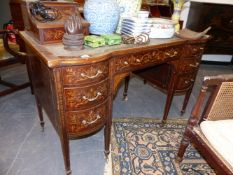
[184, 17]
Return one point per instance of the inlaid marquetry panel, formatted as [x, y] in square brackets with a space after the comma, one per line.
[84, 122]
[53, 34]
[141, 59]
[79, 97]
[83, 74]
[192, 49]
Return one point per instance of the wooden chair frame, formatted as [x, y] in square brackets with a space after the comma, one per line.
[215, 161]
[18, 57]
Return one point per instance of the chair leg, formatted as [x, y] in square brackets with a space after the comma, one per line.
[125, 93]
[183, 146]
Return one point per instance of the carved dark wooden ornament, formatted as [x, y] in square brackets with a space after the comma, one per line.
[73, 39]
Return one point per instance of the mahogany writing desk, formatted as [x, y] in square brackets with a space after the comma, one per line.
[77, 92]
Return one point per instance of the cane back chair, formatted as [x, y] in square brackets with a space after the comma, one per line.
[212, 131]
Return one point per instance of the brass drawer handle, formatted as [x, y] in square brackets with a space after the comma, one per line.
[138, 61]
[91, 77]
[195, 50]
[92, 99]
[187, 82]
[171, 55]
[126, 63]
[194, 65]
[201, 48]
[91, 122]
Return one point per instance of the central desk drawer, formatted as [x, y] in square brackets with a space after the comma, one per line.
[85, 122]
[132, 61]
[85, 74]
[87, 96]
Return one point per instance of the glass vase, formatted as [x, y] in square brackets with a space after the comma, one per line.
[178, 4]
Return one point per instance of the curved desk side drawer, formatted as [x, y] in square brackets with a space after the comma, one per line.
[85, 74]
[185, 81]
[84, 122]
[190, 64]
[87, 96]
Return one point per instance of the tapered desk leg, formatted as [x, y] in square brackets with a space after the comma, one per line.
[29, 74]
[125, 93]
[63, 138]
[107, 129]
[170, 94]
[40, 113]
[107, 136]
[66, 151]
[186, 99]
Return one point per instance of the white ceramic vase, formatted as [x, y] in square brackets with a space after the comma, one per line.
[103, 16]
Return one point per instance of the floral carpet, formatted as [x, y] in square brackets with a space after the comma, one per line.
[145, 147]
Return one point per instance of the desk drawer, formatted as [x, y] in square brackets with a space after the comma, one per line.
[186, 81]
[192, 50]
[131, 62]
[86, 121]
[84, 74]
[87, 96]
[189, 65]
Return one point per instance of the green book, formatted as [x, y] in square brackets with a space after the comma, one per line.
[112, 39]
[94, 41]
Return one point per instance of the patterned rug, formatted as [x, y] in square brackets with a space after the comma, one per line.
[145, 147]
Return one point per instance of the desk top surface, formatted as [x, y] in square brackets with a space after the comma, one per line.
[55, 55]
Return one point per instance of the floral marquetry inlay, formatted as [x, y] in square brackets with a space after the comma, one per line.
[141, 59]
[84, 121]
[89, 95]
[88, 73]
[53, 34]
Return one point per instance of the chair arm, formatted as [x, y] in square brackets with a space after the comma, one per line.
[218, 79]
[21, 56]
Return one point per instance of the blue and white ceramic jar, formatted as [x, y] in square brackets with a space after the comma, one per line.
[103, 16]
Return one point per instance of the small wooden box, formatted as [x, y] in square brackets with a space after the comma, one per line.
[52, 32]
